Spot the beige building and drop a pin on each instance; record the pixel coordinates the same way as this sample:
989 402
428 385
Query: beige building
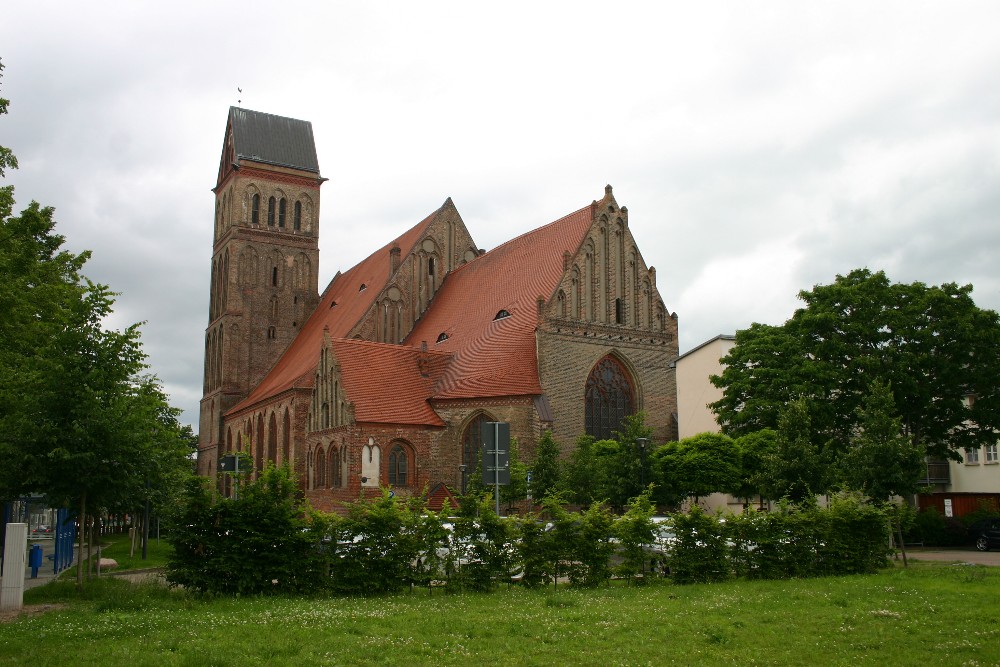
694 388
958 487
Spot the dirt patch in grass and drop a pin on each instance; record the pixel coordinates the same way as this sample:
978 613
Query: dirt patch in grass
11 615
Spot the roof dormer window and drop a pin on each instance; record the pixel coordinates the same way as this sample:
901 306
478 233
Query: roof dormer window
363 287
501 315
442 337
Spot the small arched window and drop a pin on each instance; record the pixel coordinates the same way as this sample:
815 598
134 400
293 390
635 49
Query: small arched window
270 212
398 465
274 276
281 213
255 210
297 221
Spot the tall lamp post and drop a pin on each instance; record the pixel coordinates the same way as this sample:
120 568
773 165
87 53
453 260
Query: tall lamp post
642 442
463 468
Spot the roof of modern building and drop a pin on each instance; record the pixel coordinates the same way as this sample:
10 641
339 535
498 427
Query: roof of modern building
487 311
720 337
276 140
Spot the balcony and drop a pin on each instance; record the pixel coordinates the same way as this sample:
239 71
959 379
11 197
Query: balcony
938 471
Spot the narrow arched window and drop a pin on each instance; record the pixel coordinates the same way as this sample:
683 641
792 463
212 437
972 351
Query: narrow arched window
281 212
609 398
320 469
270 212
397 466
472 441
255 210
334 468
298 216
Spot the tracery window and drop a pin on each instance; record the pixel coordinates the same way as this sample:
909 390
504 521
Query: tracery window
397 466
610 398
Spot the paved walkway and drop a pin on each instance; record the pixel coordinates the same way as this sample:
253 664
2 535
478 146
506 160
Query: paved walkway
952 555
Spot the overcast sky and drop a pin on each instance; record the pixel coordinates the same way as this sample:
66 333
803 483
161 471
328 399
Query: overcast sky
760 147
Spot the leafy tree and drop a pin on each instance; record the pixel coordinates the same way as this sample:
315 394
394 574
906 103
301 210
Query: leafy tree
882 462
932 345
517 489
754 449
796 469
703 464
77 421
580 473
545 473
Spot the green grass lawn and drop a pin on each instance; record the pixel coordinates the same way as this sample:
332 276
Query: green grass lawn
928 614
118 546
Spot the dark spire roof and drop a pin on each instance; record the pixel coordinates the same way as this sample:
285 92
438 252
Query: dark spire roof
263 137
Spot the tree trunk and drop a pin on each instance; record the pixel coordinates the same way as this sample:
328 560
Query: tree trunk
82 528
902 545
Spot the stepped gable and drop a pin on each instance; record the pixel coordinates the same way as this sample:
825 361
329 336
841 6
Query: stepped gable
341 307
275 140
389 383
498 357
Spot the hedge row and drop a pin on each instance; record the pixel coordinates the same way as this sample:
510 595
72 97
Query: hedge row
264 542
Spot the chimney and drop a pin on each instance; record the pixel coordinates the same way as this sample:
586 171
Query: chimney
393 259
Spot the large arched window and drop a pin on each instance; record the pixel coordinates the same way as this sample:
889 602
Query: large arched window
298 216
281 212
398 466
472 441
610 398
270 212
255 210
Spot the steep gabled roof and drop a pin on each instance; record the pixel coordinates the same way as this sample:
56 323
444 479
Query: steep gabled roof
341 307
264 137
389 384
497 356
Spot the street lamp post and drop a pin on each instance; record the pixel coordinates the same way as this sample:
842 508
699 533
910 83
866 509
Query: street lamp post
463 468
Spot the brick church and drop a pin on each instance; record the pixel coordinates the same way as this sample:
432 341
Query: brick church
386 377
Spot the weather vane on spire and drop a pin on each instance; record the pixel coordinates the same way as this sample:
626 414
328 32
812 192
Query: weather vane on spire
240 90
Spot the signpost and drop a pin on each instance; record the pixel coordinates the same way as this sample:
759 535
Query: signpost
496 457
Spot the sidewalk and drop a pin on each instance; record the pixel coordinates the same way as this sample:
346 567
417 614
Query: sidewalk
953 555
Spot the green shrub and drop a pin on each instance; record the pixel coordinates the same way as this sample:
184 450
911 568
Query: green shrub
258 543
701 552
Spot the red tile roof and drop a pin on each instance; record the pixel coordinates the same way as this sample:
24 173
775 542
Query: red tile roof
296 367
498 357
388 383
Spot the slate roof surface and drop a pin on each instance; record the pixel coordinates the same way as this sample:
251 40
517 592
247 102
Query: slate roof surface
264 137
297 366
498 357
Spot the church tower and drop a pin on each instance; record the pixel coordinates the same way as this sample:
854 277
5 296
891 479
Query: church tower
265 260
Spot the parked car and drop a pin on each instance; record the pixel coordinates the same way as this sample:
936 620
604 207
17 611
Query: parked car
986 533
42 529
